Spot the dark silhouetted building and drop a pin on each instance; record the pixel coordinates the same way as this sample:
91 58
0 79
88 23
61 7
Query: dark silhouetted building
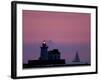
44 51
54 54
48 55
47 58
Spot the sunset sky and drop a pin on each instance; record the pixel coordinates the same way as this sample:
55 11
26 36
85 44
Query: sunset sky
66 31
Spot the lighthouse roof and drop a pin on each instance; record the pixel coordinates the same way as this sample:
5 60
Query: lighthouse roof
44 44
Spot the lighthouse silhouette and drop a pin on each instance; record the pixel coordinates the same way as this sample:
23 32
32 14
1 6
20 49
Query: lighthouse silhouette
44 51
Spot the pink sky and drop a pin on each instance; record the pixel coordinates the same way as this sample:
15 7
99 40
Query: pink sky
56 26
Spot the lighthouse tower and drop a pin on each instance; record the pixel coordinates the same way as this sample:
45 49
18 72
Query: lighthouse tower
44 51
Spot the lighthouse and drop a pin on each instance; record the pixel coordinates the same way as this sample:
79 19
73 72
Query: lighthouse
44 51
